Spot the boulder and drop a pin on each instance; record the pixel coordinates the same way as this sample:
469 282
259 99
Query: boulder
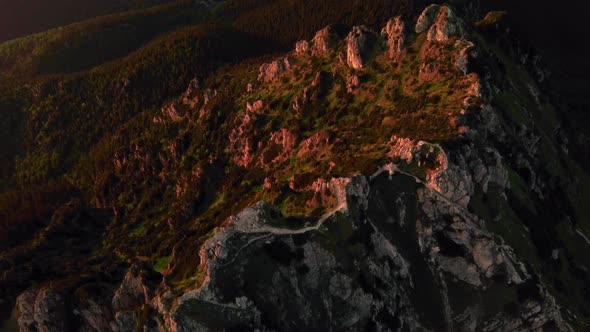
484 255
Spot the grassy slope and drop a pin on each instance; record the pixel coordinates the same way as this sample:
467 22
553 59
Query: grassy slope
50 123
123 45
160 159
45 53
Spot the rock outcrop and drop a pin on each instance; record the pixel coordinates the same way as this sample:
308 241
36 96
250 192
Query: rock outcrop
295 260
49 311
136 289
55 308
302 47
352 83
325 40
441 22
396 34
25 304
279 147
270 71
380 281
427 18
241 141
466 54
358 44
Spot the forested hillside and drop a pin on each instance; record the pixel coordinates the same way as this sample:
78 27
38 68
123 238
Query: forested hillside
392 164
21 18
81 46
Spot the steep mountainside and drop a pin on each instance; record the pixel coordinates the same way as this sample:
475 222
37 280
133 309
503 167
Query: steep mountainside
401 167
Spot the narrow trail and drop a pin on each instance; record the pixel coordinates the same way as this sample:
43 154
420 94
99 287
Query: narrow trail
393 168
270 231
285 231
244 247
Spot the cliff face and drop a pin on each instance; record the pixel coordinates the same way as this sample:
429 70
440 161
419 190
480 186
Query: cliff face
395 255
415 179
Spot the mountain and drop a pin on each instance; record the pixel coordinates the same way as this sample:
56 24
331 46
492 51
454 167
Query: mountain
392 165
25 17
82 46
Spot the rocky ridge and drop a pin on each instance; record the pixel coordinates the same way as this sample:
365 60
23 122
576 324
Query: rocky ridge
393 250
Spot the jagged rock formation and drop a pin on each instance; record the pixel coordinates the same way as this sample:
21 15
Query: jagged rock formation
358 42
395 31
64 307
325 40
351 268
441 23
302 46
416 236
40 310
270 71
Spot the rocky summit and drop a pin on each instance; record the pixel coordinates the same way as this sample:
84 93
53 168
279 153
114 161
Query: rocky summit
408 168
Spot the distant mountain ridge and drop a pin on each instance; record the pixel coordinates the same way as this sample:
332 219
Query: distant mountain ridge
80 46
25 17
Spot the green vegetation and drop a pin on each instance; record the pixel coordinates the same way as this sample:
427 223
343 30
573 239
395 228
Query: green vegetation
91 104
162 263
84 45
286 26
99 113
31 16
164 165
